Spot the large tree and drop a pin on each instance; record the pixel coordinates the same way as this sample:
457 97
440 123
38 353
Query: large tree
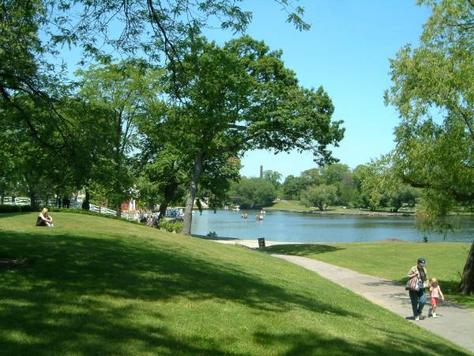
433 90
240 97
124 90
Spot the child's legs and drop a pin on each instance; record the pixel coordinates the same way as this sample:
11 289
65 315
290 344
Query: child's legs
434 304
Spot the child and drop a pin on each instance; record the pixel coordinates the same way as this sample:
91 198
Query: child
436 293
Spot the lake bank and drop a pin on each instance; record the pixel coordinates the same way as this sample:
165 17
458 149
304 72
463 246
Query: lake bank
296 206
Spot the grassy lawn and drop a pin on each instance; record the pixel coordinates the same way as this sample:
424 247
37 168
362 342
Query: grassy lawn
99 286
393 259
298 207
289 205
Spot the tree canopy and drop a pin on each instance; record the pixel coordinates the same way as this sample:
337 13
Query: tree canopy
433 90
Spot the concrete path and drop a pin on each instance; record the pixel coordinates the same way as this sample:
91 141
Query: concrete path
454 323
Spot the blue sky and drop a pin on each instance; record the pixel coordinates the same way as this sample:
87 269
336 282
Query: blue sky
347 51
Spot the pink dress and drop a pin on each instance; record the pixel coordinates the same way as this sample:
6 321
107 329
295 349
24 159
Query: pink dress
435 294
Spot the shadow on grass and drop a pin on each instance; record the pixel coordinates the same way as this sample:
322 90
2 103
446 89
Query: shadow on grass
301 249
75 295
306 342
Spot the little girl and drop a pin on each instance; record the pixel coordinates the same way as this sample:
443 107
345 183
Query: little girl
436 293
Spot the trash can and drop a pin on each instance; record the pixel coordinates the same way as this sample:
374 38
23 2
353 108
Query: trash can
261 242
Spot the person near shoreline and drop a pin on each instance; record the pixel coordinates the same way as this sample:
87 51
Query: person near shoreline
435 295
417 281
44 219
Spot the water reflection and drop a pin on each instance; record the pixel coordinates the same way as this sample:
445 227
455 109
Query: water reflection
294 227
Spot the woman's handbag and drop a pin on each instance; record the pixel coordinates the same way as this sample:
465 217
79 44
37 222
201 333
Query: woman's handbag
414 284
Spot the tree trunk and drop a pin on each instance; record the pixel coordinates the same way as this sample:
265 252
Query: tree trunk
467 280
163 207
119 210
188 212
33 200
85 203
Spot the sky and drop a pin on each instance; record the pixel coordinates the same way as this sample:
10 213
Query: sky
347 51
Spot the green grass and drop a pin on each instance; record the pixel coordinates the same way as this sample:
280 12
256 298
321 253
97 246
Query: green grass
290 205
298 207
96 286
393 259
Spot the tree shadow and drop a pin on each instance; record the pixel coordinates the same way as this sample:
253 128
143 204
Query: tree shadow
56 302
307 342
301 249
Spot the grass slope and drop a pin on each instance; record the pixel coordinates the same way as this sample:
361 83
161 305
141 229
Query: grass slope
393 259
298 207
100 286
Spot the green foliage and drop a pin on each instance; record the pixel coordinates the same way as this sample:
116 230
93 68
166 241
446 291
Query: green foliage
293 186
103 28
433 90
319 196
252 193
273 177
16 208
124 90
175 226
379 185
340 176
239 97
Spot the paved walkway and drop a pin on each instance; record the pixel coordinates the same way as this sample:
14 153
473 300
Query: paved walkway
454 323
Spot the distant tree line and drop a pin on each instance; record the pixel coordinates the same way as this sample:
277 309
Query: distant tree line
371 186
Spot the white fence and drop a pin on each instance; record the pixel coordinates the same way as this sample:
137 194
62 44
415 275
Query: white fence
101 210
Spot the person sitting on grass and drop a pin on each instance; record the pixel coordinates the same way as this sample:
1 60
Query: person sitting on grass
436 294
44 219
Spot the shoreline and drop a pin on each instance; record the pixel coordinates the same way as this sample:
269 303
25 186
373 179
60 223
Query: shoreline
350 212
253 244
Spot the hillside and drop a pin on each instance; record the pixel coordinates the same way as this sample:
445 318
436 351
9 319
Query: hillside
93 285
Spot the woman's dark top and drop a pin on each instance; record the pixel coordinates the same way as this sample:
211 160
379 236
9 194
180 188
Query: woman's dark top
40 222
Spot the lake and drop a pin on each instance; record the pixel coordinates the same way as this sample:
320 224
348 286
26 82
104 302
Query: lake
297 227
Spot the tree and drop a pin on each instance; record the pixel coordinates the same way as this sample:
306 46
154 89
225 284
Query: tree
252 193
240 97
160 26
162 178
433 90
292 187
273 177
319 196
120 89
340 176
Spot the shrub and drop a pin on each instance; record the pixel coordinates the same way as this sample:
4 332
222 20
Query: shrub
171 226
16 209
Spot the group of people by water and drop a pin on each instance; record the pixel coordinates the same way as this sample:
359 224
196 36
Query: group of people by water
417 284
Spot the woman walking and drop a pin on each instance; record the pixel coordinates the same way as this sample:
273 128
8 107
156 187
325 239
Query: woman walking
417 281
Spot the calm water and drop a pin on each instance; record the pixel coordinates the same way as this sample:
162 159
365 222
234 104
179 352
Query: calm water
285 226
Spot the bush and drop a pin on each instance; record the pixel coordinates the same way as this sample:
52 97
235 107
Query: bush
175 226
16 209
